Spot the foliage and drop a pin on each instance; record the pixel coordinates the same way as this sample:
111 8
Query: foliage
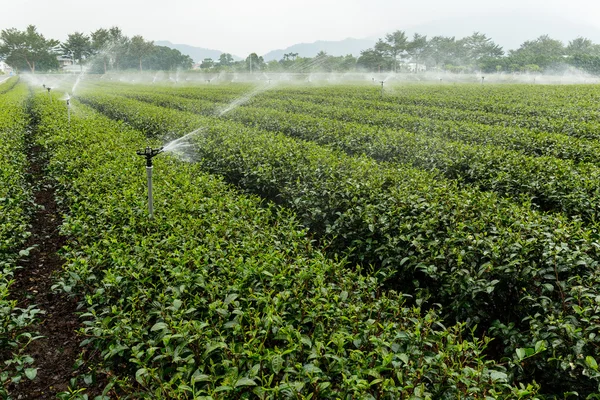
15 210
78 46
28 49
486 260
224 295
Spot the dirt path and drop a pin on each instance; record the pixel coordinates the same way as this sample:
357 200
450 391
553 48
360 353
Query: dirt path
56 353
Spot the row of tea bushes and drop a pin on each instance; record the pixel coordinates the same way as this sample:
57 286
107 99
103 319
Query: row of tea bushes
224 296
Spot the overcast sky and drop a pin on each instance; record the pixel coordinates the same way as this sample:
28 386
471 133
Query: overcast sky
243 26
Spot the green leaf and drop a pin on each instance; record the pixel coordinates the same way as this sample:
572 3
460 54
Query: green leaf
245 382
277 364
230 298
31 373
177 304
521 353
158 326
591 362
139 374
498 376
200 377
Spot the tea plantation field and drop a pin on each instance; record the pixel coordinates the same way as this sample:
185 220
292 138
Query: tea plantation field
434 242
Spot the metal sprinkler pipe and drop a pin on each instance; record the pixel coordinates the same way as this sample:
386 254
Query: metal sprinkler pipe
382 82
150 153
69 110
49 96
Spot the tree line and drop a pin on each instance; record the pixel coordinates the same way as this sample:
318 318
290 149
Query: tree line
397 52
479 53
109 49
102 50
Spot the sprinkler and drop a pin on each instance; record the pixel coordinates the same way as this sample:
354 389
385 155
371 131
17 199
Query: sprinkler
382 82
149 153
482 79
69 110
49 96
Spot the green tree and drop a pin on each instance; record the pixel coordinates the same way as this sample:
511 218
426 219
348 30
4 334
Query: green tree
140 48
478 46
254 62
118 46
543 51
394 46
582 46
100 42
78 46
442 51
417 49
28 49
372 60
225 60
167 59
207 63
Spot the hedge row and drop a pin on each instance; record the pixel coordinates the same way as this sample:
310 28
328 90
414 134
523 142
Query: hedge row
224 296
510 270
16 205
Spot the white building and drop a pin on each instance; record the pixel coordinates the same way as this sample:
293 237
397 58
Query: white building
414 67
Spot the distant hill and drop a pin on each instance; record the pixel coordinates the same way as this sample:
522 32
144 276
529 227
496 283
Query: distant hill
333 48
509 29
196 53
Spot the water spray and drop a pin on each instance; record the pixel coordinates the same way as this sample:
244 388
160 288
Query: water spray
150 153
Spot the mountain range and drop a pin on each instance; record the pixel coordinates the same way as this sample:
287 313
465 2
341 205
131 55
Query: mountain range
508 30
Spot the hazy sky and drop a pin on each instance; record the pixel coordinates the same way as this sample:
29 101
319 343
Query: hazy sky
244 26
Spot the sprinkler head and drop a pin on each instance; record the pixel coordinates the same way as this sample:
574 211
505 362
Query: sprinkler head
48 89
44 85
149 153
68 102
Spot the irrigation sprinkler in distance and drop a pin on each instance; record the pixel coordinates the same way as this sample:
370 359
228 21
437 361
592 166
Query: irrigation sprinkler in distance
48 88
382 82
150 153
69 110
482 79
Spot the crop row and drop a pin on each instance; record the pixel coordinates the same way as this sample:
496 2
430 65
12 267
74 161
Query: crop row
522 275
15 214
551 184
9 84
223 295
369 113
580 125
455 106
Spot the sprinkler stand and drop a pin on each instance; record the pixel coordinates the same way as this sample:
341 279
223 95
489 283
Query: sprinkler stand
69 110
149 153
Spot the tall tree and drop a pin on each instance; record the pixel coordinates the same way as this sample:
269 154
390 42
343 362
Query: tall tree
543 51
582 46
78 46
417 48
395 45
118 45
479 46
372 60
254 62
26 49
100 41
140 48
225 60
